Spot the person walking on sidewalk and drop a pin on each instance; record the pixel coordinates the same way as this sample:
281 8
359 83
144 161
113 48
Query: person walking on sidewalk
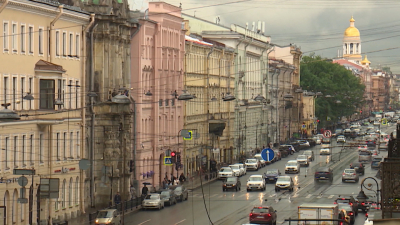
117 199
182 178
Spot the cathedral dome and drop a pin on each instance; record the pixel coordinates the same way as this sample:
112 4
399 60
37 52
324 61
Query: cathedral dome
352 31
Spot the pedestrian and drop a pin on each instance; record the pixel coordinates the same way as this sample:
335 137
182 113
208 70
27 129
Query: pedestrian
117 199
176 181
132 191
145 190
182 178
164 183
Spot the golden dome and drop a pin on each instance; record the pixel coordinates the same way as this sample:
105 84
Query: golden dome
351 32
352 19
365 61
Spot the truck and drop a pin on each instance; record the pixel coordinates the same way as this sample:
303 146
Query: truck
389 114
318 211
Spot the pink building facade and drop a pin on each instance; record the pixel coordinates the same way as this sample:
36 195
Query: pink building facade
157 79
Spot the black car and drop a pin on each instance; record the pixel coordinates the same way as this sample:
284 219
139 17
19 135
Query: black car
349 211
168 196
285 151
271 175
370 143
296 146
348 200
311 141
323 173
359 167
231 183
180 191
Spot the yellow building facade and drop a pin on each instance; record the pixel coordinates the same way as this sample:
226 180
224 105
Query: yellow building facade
41 75
209 76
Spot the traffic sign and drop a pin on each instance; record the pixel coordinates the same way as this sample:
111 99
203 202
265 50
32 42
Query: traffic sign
267 154
327 133
167 161
189 136
303 126
384 121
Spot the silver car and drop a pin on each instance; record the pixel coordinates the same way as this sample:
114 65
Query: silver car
153 201
364 156
350 174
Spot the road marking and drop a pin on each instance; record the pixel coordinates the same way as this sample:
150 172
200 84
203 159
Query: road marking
309 196
180 221
273 195
240 196
319 196
144 222
212 196
219 196
331 196
196 195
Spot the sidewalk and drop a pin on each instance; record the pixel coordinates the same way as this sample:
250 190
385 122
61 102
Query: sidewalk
191 184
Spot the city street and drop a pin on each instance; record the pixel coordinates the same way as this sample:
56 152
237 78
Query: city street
227 208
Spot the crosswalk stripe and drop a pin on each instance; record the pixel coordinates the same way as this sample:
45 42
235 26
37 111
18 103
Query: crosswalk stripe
319 196
309 196
331 196
212 196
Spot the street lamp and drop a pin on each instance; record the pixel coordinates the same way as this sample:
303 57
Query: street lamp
361 195
259 98
185 96
8 114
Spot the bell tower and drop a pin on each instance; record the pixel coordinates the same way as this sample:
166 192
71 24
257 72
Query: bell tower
352 43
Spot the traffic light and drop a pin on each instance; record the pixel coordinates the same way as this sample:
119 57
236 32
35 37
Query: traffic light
318 121
178 158
173 157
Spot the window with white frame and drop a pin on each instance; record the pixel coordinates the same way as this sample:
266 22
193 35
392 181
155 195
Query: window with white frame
70 94
78 143
22 92
77 191
77 45
30 40
30 86
41 156
59 91
31 150
71 44
14 41
70 192
23 150
15 151
22 211
77 94
6 151
64 86
65 146
63 193
23 35
14 93
5 36
71 145
40 33
64 44
57 43
46 94
5 89
58 146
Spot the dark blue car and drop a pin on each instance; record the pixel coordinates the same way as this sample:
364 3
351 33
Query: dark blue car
271 175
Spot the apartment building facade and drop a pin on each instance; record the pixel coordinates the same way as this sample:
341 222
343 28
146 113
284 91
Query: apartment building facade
40 81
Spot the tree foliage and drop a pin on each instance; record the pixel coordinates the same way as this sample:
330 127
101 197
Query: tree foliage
331 79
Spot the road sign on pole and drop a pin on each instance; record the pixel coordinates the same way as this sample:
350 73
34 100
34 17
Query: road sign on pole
189 136
327 133
303 126
167 161
384 121
267 154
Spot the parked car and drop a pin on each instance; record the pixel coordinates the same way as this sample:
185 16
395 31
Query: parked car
153 201
309 154
225 172
263 215
180 191
303 160
168 196
278 156
256 182
350 174
284 183
108 216
348 200
285 150
304 144
252 164
231 183
359 167
271 175
292 166
323 173
295 145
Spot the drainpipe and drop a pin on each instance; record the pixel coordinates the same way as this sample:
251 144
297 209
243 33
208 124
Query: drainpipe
83 101
92 142
3 6
61 11
208 100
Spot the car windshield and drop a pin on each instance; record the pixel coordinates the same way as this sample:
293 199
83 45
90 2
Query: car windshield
349 171
283 179
165 194
231 179
251 161
260 210
365 153
291 164
225 169
152 197
272 172
302 157
234 167
255 179
105 214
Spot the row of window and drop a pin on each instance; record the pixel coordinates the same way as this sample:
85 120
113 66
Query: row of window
15 88
167 101
21 150
23 39
68 197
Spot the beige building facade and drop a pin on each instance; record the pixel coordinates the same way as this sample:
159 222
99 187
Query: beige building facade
209 75
41 57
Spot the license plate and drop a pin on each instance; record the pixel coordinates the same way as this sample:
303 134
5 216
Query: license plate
271 178
322 177
260 217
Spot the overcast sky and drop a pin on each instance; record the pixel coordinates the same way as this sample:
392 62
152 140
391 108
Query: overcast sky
314 25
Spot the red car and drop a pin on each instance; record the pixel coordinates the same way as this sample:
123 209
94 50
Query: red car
263 215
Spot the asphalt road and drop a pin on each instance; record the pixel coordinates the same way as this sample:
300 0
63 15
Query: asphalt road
209 205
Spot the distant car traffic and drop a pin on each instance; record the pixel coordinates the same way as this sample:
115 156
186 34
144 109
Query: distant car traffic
325 151
350 174
292 166
225 172
256 182
323 173
341 139
359 167
309 154
303 160
231 183
263 215
284 183
252 164
271 175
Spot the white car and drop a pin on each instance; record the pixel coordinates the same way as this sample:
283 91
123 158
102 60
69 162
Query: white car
325 151
256 182
225 172
362 148
262 161
236 170
292 166
303 160
318 141
252 164
242 168
154 201
341 138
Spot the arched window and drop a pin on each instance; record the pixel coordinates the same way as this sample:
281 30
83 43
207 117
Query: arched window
14 206
23 208
77 191
351 48
70 192
63 193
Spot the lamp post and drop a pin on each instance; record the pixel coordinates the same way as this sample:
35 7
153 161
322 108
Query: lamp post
288 97
361 195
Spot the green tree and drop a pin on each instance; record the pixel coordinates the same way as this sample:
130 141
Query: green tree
342 91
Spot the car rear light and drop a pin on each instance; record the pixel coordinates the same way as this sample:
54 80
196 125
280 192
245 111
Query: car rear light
366 214
343 174
351 203
343 198
363 203
354 174
269 215
335 203
251 214
350 213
